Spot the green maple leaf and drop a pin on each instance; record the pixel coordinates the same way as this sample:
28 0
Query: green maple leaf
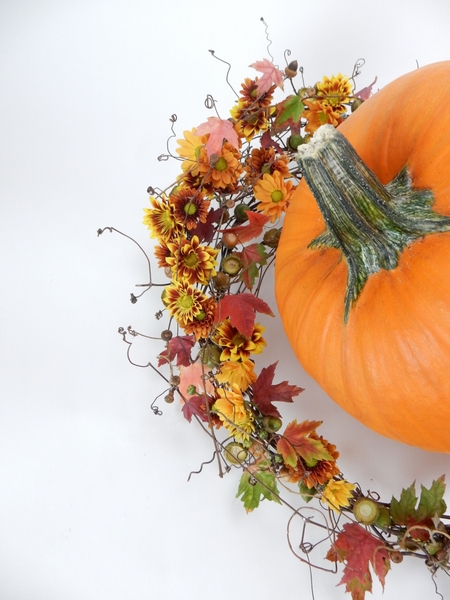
431 504
404 509
254 488
289 111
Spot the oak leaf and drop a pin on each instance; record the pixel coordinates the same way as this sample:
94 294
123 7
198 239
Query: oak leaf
241 310
265 392
180 349
358 549
218 129
295 442
245 233
271 75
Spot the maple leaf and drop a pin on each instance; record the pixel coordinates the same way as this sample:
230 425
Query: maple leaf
245 233
180 349
218 129
271 75
195 406
295 442
266 141
241 310
265 392
205 231
192 377
431 506
289 113
255 487
251 256
358 548
364 94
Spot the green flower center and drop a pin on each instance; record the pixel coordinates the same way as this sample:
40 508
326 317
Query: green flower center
238 339
276 196
186 301
266 168
190 209
221 164
201 315
191 260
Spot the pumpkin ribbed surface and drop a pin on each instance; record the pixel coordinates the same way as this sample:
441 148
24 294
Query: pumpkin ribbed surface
388 363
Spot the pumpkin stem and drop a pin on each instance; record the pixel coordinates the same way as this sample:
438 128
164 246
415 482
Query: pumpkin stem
369 222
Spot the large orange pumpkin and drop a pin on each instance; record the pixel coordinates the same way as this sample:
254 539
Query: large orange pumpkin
376 337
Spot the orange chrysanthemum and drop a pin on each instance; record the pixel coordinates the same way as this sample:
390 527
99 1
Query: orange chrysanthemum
190 261
262 161
224 171
184 302
236 372
236 345
319 114
190 206
161 219
230 408
273 193
203 323
334 91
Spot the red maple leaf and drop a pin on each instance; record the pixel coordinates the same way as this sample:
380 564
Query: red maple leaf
180 349
358 548
195 406
295 442
266 141
271 75
218 129
265 392
365 93
245 233
241 310
205 231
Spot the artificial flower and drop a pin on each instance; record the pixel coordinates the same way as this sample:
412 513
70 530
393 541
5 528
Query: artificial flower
237 372
273 193
223 172
334 91
231 409
191 261
337 494
235 345
161 219
323 470
252 98
189 149
262 161
184 302
203 322
319 114
190 206
162 253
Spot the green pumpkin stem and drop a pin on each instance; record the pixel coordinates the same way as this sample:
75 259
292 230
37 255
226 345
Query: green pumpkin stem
369 222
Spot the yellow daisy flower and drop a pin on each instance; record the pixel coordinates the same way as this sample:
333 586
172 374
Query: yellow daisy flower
189 149
161 219
231 410
273 193
240 373
236 345
190 261
337 494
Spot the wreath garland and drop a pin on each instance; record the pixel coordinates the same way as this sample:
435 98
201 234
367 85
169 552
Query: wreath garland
216 230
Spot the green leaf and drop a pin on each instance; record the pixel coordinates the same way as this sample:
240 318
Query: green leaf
254 488
291 110
403 510
306 493
431 503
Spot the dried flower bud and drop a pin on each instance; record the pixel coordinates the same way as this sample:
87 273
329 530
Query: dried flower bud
272 237
396 556
239 212
175 380
232 264
169 398
166 335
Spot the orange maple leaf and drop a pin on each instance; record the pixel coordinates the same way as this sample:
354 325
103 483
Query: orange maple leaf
295 442
271 75
245 233
241 310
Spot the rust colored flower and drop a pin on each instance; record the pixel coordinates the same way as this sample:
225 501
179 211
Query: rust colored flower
202 324
273 193
236 345
324 470
319 113
223 172
190 206
161 219
251 97
237 372
184 302
262 161
190 261
231 410
251 121
162 253
334 91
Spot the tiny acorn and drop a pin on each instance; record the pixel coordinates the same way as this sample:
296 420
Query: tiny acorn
239 212
271 238
232 264
291 69
366 511
221 280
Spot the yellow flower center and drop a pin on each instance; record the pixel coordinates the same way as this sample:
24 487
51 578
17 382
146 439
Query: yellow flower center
276 196
191 260
186 301
190 208
221 164
238 339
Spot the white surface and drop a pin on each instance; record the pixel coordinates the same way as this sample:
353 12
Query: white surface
94 502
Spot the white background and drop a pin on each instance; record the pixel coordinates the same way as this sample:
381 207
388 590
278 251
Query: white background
94 499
